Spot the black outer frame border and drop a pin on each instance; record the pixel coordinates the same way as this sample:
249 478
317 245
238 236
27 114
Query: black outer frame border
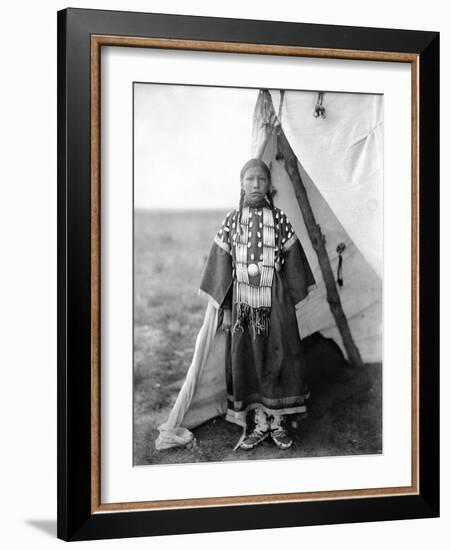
75 521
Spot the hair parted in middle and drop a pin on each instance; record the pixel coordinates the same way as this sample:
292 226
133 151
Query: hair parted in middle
255 162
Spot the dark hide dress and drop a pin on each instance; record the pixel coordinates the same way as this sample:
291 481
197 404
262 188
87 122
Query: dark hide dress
264 367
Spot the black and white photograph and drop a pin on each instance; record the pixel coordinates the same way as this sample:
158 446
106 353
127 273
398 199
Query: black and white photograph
257 273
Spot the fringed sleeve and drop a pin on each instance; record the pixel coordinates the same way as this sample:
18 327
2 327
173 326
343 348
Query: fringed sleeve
216 279
298 273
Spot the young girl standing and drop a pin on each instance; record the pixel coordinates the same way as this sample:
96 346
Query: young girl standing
258 274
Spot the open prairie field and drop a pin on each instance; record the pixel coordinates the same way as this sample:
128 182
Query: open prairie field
170 248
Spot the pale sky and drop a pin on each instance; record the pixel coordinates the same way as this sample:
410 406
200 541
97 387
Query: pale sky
190 144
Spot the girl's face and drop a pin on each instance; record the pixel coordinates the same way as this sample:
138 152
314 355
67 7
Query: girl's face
255 184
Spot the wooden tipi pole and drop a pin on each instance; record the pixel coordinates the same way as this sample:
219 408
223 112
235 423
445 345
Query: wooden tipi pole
318 242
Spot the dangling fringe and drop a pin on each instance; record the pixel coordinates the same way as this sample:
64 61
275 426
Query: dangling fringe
253 296
257 319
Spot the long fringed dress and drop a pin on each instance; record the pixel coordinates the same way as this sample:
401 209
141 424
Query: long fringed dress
259 270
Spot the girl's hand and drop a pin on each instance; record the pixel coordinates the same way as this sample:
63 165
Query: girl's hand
226 320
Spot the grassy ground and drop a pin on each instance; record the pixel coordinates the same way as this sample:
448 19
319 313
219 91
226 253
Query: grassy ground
345 410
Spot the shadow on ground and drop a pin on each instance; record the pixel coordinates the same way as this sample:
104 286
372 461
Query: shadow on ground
47 526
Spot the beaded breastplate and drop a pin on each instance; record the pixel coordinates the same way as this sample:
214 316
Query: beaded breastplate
254 247
253 251
257 247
